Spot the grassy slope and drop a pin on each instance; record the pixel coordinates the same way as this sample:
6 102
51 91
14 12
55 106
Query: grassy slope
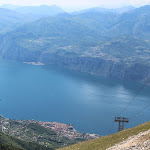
110 140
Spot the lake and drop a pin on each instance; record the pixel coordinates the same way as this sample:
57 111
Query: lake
56 94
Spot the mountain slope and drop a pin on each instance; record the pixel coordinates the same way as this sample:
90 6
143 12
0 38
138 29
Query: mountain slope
104 10
135 23
140 141
9 19
108 141
10 143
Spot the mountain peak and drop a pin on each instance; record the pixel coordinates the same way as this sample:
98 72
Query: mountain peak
43 10
144 8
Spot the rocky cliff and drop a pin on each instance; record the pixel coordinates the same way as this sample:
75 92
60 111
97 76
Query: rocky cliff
100 66
104 66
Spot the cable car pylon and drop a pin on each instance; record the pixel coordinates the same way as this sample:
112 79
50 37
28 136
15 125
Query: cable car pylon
121 121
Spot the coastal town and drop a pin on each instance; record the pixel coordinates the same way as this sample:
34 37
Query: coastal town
67 130
34 63
50 134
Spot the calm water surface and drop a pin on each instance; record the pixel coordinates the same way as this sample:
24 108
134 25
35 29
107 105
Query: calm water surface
50 93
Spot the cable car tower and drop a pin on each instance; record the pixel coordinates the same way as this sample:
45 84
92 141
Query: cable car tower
121 121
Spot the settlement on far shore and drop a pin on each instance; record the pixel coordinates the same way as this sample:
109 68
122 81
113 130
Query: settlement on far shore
34 63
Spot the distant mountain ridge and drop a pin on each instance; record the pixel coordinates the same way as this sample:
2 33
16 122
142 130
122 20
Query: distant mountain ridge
105 10
9 6
108 44
135 23
9 19
16 16
42 10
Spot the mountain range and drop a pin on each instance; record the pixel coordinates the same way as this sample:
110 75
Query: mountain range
42 10
14 16
105 10
112 43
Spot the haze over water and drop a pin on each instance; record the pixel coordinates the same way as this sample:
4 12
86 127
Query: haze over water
50 93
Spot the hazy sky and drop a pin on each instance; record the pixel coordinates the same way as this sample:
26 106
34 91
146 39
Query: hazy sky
79 3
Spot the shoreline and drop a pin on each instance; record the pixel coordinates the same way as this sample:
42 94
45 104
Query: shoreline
34 63
59 128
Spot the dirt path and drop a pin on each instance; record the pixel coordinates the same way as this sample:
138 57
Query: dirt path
137 142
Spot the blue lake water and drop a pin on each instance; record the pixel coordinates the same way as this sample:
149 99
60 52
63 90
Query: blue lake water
50 93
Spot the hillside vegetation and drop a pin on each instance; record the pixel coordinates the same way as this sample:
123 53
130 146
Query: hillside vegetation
11 143
108 141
